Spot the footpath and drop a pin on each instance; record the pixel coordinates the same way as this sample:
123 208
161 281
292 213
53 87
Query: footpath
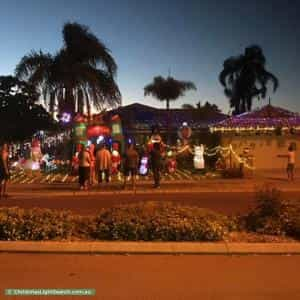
150 248
143 187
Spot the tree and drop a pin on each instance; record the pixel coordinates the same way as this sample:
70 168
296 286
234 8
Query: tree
187 106
245 77
168 89
206 108
80 75
20 115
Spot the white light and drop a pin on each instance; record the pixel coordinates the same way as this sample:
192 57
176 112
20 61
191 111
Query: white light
100 139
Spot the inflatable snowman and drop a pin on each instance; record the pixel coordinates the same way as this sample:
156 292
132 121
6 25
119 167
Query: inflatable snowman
199 157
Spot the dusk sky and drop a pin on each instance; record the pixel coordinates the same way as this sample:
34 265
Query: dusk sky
147 38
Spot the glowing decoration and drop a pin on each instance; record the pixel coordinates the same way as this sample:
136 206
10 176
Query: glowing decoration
115 159
100 139
199 158
98 130
171 162
184 133
144 166
80 133
36 155
155 138
265 120
66 117
117 131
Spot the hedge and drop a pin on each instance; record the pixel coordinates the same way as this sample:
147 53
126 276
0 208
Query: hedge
150 222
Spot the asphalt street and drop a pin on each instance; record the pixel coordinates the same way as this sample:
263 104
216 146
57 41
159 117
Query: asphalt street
155 277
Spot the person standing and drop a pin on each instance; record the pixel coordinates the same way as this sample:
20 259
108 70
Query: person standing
103 163
93 162
155 156
131 163
84 160
4 170
291 156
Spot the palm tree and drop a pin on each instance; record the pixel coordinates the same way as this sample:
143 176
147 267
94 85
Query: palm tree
168 89
79 76
245 77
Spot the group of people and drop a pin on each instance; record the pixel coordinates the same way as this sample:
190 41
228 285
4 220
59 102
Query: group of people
99 164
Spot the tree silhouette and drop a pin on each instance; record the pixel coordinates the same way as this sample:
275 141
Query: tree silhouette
168 89
20 115
206 108
80 75
245 77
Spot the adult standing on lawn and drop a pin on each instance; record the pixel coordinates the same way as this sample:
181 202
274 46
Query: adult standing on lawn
291 156
103 163
131 163
4 170
84 167
155 157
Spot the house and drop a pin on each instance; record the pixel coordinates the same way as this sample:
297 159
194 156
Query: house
139 119
265 133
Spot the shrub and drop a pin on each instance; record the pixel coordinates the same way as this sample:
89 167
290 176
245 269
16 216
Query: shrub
146 222
273 215
164 222
34 224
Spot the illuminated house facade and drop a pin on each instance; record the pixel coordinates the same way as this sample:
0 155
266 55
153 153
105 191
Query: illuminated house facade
265 133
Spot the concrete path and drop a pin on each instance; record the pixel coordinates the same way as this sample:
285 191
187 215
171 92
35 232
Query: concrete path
116 247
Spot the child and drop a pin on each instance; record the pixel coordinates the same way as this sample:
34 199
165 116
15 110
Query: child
291 156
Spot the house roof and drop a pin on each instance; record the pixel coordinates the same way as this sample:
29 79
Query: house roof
140 116
266 118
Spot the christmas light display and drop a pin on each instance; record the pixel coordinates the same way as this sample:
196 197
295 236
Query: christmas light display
199 157
266 119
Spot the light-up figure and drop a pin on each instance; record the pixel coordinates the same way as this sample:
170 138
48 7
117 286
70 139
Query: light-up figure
115 160
199 157
171 163
144 165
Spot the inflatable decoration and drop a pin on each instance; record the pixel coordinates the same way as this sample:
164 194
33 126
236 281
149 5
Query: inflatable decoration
198 157
171 163
144 165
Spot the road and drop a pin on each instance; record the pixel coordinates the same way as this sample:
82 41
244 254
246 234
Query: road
224 197
156 277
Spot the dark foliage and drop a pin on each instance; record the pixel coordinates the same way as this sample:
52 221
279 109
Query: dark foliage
80 75
245 77
168 89
20 115
274 215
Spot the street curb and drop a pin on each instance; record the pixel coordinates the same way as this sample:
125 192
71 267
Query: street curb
218 248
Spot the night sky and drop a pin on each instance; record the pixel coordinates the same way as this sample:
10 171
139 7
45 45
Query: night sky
147 38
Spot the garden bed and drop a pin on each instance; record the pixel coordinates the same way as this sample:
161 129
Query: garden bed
271 220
